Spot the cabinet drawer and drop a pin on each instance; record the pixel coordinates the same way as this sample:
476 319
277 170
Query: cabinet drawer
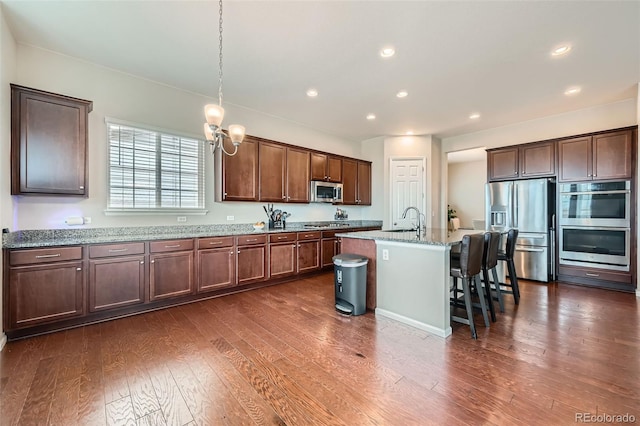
621 277
170 245
315 235
281 238
214 242
25 257
108 250
330 234
245 240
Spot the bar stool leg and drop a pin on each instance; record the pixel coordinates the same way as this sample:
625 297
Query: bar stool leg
498 291
514 281
467 303
481 296
487 286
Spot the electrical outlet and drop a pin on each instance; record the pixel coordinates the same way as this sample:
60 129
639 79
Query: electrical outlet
385 254
87 220
231 218
182 218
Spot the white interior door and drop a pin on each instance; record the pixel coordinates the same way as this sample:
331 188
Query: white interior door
407 189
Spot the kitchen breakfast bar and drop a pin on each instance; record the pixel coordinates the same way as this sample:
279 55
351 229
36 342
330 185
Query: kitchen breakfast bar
408 277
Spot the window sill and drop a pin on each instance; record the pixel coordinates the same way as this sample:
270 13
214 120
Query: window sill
155 212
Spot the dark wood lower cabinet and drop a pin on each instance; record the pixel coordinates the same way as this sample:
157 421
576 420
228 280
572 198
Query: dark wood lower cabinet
251 263
45 293
330 247
116 282
47 289
216 269
170 275
282 259
308 256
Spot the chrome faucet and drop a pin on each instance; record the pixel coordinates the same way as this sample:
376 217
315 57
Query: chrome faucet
419 227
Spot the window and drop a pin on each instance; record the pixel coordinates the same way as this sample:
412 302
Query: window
154 171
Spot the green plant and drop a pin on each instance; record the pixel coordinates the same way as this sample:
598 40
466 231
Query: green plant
451 212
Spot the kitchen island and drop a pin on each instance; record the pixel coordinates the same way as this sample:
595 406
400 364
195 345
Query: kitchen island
411 275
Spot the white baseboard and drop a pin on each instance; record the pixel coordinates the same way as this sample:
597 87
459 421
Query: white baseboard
638 292
3 340
417 324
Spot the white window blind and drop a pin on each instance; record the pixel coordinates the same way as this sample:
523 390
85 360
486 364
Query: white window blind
151 170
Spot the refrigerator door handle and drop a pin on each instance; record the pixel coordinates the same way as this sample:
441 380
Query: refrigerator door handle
515 205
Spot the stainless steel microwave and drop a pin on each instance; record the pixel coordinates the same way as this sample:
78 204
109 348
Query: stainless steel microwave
326 192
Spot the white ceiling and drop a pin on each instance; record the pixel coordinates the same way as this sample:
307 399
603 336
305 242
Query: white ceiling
454 58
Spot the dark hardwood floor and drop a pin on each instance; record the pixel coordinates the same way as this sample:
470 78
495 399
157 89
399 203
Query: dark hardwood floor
283 355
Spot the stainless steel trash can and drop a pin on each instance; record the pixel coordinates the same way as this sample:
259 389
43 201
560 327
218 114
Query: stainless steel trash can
350 279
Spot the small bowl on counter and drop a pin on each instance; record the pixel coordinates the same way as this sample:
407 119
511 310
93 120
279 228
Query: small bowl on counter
258 226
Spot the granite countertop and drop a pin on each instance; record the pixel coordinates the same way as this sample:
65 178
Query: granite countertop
432 236
66 237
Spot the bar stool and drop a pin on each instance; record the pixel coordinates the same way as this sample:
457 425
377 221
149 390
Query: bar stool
468 267
489 263
507 256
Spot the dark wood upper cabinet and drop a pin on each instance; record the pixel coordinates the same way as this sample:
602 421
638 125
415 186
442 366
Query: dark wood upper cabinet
349 181
364 183
537 159
598 157
237 175
503 163
356 182
272 169
284 173
326 167
524 161
612 155
297 175
48 143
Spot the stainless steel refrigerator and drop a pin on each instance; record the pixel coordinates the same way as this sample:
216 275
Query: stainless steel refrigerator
529 206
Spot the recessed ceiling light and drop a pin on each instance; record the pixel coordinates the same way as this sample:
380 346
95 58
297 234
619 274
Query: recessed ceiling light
312 93
409 132
371 116
402 94
474 116
572 91
387 52
561 50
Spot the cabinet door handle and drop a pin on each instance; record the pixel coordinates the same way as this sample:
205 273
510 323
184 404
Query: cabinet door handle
284 197
81 187
215 242
142 262
173 246
589 274
78 269
280 238
231 252
118 250
45 256
237 252
153 261
252 240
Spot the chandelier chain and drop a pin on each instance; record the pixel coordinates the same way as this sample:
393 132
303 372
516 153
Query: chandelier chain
220 56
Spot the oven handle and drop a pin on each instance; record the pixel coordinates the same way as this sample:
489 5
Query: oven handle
530 249
621 191
595 228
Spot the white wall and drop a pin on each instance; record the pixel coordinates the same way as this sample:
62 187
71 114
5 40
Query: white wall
465 191
7 73
603 117
122 96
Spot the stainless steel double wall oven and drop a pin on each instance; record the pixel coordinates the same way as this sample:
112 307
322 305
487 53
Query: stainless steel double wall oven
595 224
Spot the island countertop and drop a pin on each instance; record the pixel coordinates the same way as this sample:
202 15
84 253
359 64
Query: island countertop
432 236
